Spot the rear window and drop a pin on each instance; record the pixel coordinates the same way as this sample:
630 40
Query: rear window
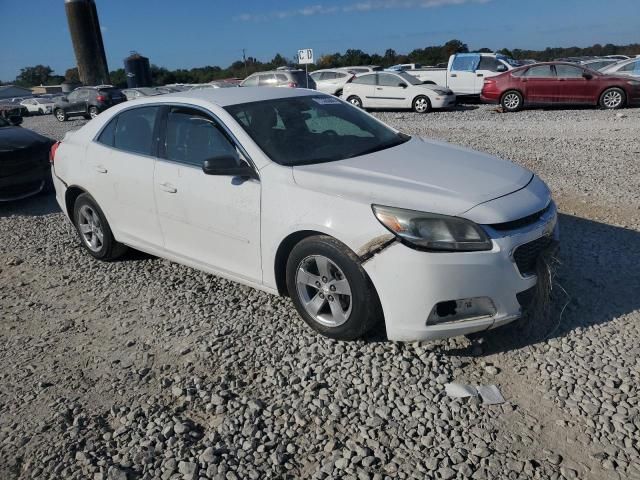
131 131
365 79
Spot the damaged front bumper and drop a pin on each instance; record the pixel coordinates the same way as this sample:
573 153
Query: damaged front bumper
428 295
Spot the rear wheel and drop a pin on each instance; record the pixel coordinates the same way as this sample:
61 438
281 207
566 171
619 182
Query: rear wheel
421 104
511 101
60 115
612 99
94 231
355 101
331 290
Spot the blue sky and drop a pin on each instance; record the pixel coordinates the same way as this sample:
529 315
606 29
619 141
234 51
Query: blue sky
191 33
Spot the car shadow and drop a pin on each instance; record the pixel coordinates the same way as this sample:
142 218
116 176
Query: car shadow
35 206
596 281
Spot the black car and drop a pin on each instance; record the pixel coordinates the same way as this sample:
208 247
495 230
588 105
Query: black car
24 161
87 102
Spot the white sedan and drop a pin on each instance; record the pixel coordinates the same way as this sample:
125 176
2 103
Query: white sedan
332 81
396 90
298 193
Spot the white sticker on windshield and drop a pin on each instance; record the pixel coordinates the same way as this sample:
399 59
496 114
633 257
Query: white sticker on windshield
326 100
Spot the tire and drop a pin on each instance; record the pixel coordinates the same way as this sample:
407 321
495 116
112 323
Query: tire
511 101
355 101
613 99
40 111
338 93
60 115
343 316
90 223
421 104
93 112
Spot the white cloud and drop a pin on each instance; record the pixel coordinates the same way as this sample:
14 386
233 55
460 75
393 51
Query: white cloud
362 6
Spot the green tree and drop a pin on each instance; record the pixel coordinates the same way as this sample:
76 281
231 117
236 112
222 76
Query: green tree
34 76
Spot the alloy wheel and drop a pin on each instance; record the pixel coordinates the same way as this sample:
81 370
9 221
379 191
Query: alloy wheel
612 99
90 228
355 102
93 112
421 105
324 290
511 101
60 115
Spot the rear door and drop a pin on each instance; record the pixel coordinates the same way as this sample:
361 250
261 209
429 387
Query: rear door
388 93
207 219
540 84
462 73
121 163
364 88
573 87
488 67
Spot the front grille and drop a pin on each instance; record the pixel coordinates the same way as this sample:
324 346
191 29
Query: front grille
521 222
526 256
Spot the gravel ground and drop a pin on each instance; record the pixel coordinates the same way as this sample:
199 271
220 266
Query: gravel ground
146 369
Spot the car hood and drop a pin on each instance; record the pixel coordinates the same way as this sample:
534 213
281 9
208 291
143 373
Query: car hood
17 138
420 174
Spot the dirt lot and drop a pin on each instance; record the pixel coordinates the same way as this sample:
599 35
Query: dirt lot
146 369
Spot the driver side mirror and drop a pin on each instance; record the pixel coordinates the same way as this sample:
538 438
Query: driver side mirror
587 75
228 165
15 120
501 68
403 85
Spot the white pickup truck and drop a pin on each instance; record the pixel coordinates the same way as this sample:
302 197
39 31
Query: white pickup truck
466 72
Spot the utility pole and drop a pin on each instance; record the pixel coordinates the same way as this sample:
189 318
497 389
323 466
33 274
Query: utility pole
244 57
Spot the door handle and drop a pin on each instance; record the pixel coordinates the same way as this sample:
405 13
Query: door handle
454 75
378 88
100 169
167 187
480 74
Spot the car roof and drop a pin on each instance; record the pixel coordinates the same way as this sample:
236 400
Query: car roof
224 97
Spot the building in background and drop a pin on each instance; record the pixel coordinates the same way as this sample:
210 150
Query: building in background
86 37
138 71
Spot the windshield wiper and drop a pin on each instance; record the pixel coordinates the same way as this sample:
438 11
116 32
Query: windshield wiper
403 138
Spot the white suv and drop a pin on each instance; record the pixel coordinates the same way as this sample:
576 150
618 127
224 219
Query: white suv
396 90
332 81
280 78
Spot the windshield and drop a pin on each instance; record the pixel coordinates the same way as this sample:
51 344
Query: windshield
510 61
409 78
312 129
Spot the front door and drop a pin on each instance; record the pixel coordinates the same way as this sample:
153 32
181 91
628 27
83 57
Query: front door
120 166
388 93
573 87
462 74
208 219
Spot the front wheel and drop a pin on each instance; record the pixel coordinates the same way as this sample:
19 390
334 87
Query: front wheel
512 101
60 115
612 99
421 104
93 112
93 228
355 101
331 290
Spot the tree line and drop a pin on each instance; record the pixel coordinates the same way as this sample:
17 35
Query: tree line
432 55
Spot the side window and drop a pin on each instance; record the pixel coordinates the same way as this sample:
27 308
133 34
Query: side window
631 67
134 130
464 63
83 95
193 137
365 80
266 80
388 80
107 134
340 75
568 71
489 63
281 79
251 81
540 71
73 96
315 76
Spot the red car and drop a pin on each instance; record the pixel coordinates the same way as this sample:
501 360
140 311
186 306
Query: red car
559 83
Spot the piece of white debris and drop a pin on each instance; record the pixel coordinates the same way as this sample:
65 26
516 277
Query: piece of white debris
459 390
490 395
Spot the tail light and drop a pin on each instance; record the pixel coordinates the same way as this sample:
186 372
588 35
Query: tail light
292 84
101 98
52 152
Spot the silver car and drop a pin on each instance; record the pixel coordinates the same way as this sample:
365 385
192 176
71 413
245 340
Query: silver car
280 78
332 81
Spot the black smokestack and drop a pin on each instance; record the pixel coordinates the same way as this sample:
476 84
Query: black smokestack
87 41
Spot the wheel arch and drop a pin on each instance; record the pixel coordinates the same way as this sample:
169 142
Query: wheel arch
282 254
70 197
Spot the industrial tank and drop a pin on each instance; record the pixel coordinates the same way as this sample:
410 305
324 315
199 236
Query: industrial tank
86 36
138 71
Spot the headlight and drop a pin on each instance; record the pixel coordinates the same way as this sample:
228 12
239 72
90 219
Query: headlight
635 83
440 92
431 231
